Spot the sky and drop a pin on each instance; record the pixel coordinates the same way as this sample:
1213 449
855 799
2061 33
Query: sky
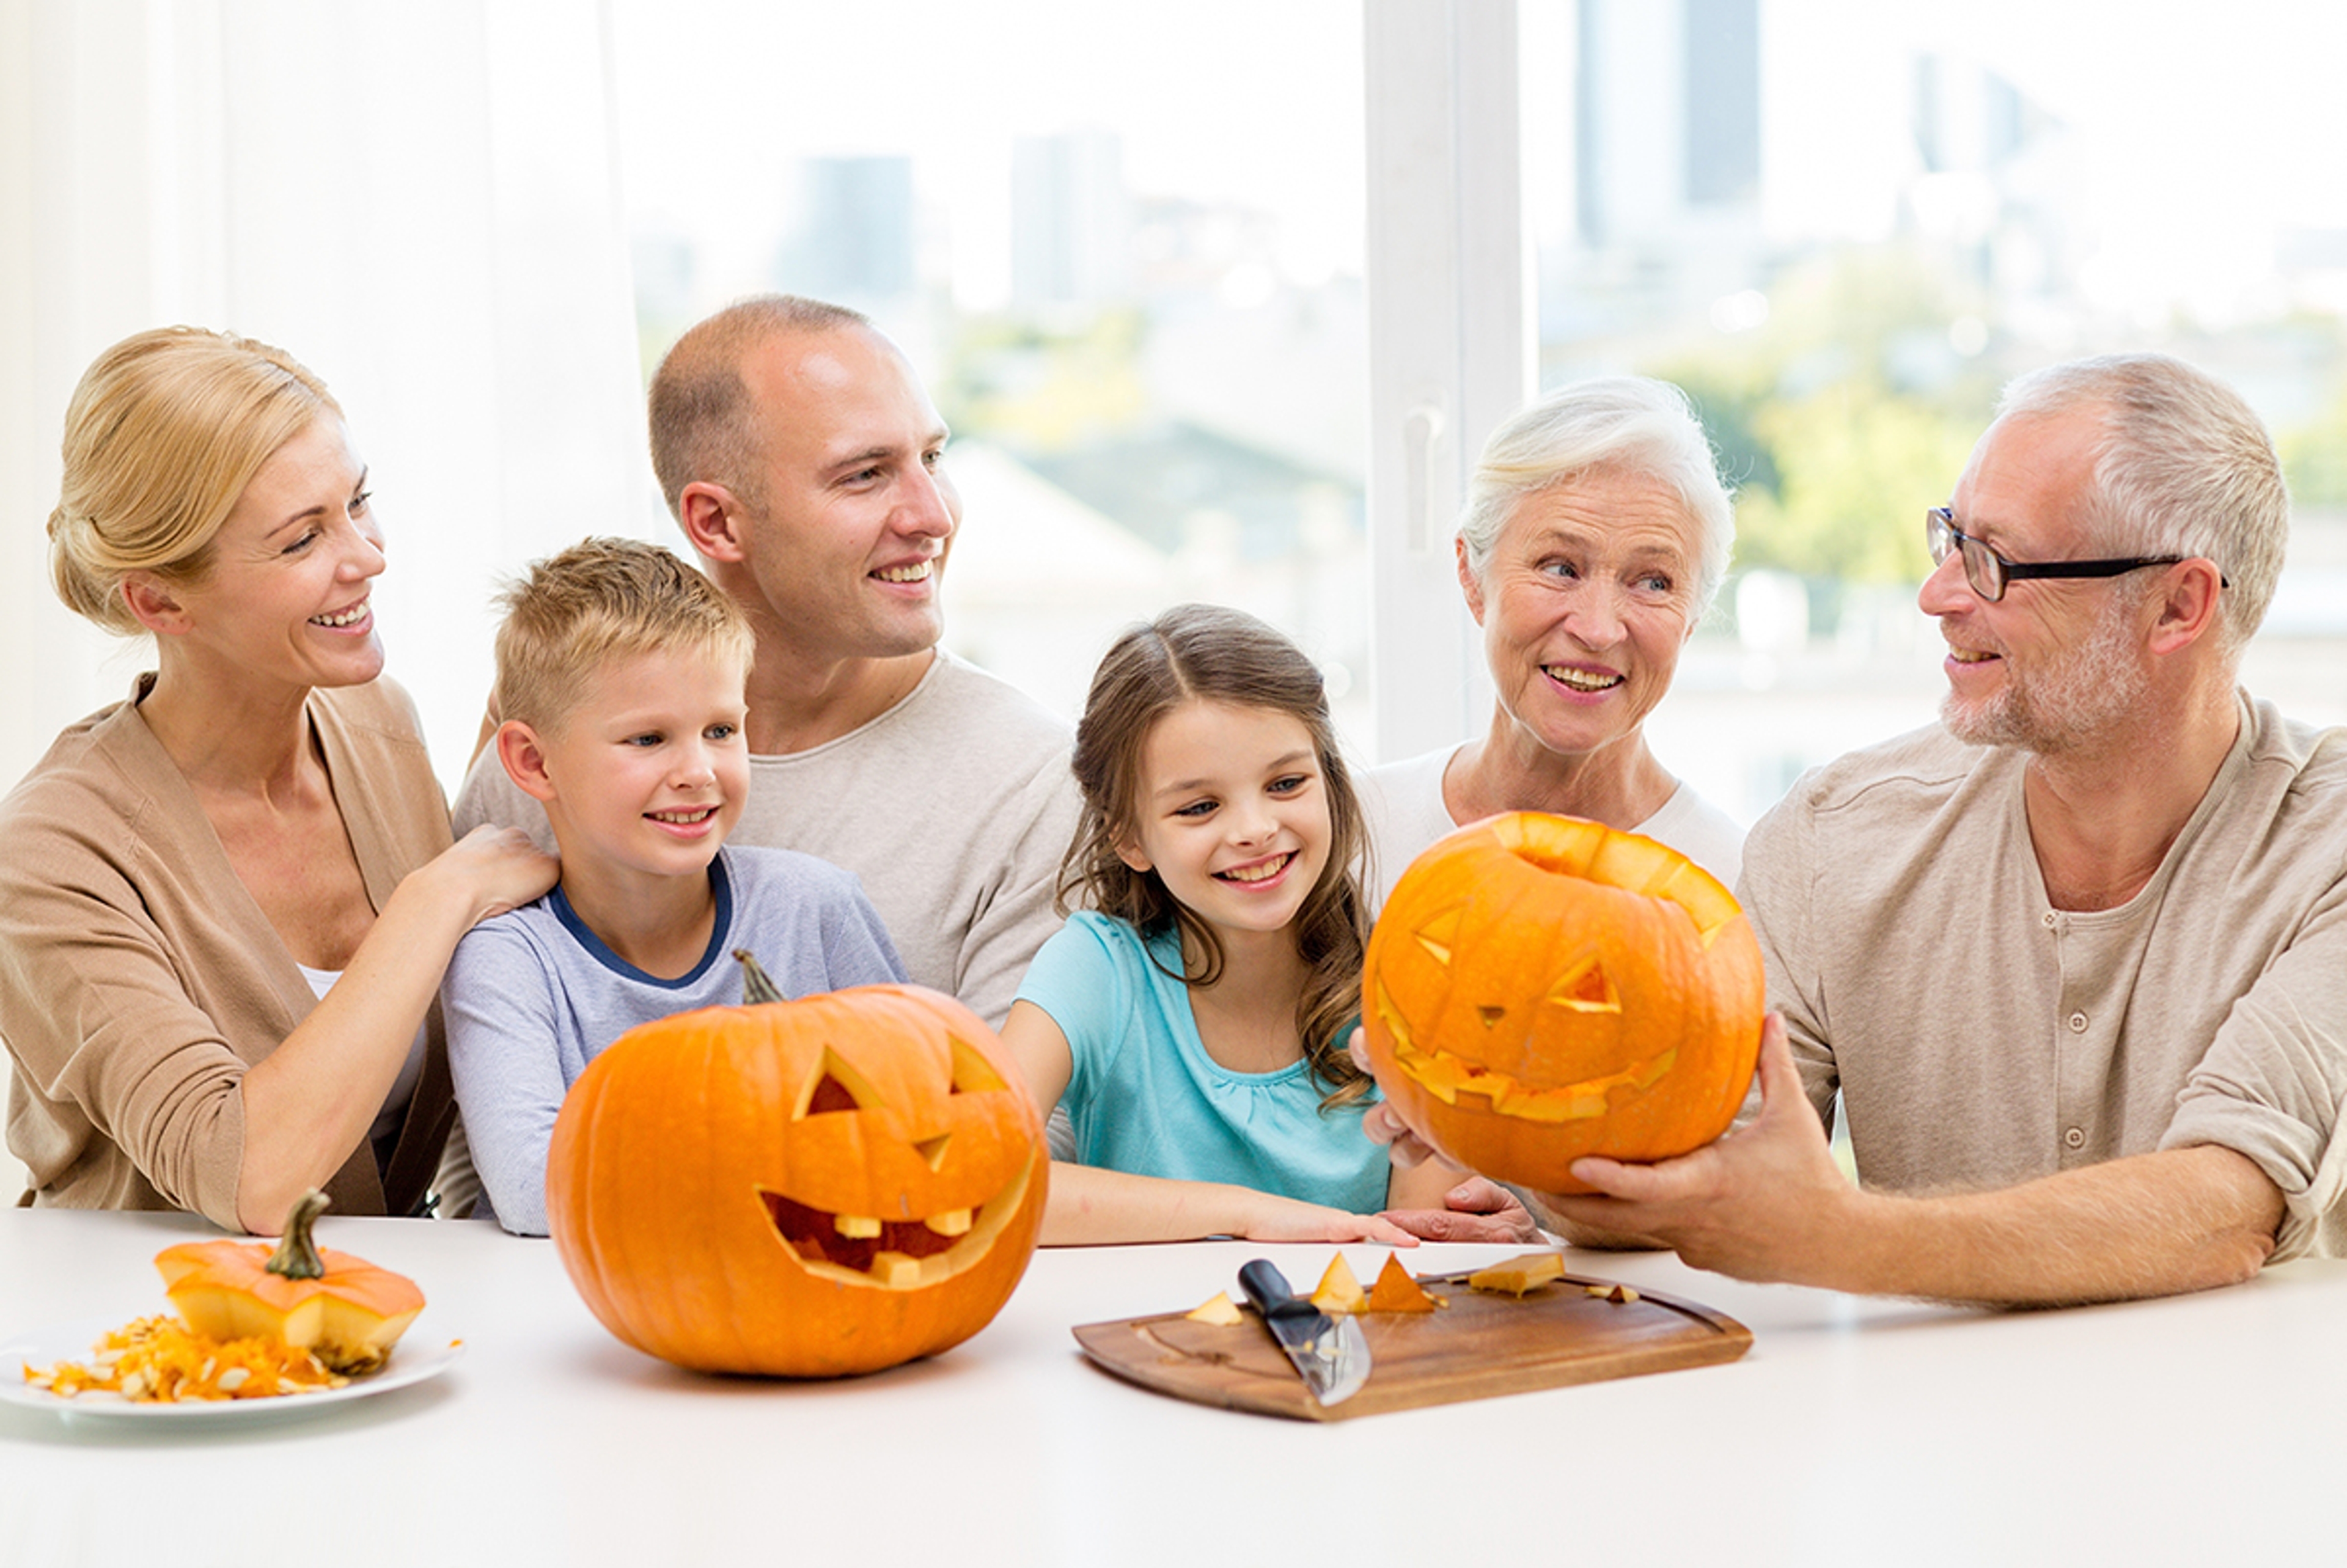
1255 103
2203 127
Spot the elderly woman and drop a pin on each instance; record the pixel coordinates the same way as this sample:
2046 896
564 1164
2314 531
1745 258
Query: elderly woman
226 902
1596 534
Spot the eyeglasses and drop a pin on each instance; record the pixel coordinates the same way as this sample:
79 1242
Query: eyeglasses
1988 572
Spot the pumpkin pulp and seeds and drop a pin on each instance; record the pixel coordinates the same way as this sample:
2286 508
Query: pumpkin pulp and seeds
252 1324
161 1361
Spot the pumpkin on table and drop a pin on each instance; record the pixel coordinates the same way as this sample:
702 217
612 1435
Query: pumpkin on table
805 1188
343 1309
1541 988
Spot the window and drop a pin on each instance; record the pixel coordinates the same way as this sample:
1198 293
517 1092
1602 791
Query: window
1124 246
1843 226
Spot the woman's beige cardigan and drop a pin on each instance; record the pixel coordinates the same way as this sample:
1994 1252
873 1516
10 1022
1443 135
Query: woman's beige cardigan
139 978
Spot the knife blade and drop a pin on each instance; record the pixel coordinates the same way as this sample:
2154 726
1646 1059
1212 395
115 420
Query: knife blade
1329 1352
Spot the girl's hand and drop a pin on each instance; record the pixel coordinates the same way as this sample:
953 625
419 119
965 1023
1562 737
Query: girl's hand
1275 1218
493 870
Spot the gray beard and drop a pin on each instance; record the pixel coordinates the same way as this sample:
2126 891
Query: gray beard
2066 706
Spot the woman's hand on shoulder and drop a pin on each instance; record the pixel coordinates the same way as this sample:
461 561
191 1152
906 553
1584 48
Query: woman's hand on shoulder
495 869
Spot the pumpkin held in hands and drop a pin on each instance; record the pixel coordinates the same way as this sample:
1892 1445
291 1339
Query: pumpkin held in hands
1541 988
800 1188
343 1309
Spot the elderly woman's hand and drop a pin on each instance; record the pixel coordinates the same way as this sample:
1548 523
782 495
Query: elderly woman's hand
1383 1124
1476 1209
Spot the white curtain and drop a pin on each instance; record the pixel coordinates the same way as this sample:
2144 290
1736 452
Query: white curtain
418 198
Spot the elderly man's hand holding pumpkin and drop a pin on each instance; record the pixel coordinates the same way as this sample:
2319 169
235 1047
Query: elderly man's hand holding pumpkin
1760 1203
1764 1201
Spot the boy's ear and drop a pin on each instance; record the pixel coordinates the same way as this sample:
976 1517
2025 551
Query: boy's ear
525 760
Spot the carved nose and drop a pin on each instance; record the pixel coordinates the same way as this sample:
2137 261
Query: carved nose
933 1150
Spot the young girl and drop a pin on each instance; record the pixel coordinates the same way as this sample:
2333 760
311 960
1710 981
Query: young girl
1192 1018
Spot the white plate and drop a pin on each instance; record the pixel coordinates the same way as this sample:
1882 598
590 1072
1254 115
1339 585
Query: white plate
410 1363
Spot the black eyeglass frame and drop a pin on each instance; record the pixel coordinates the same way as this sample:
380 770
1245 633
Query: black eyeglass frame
1988 572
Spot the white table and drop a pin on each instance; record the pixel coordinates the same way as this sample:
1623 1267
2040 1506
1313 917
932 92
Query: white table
2209 1429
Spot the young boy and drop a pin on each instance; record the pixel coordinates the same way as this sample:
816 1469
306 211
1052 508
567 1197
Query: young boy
619 683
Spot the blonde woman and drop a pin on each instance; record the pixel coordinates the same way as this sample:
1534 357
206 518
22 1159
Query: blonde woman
226 902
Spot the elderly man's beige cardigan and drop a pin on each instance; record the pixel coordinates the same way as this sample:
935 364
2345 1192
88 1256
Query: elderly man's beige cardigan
138 980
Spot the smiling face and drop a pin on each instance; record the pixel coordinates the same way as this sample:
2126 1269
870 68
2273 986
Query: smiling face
286 596
1232 813
1585 600
649 771
847 538
2056 662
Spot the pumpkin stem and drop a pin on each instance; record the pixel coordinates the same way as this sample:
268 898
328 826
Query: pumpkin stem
297 1256
756 986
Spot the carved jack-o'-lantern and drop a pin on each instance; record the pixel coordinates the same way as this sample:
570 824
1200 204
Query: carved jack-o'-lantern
799 1188
1541 988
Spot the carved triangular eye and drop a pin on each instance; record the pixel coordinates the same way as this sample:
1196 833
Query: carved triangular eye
1585 990
972 1073
834 1085
1440 934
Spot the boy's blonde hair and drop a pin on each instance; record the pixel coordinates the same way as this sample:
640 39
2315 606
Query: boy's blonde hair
600 599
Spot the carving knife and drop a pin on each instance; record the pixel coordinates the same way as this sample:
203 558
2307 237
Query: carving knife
1330 1352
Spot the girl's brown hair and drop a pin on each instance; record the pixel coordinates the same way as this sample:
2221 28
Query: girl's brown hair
1204 651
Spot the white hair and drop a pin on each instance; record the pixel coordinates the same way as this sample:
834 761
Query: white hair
1623 424
2184 468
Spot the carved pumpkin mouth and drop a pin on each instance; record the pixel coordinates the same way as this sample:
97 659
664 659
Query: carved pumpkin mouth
1450 1077
892 1255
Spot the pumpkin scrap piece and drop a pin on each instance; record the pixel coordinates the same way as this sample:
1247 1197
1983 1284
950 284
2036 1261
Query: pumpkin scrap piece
1396 1291
1338 1291
344 1309
1518 1275
1619 1294
160 1360
1222 1312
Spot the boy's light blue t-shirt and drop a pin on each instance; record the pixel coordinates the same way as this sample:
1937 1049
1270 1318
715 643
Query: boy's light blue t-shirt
533 996
1145 1097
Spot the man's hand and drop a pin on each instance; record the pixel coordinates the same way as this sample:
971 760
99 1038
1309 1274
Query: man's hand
1765 1201
1762 1203
1474 1209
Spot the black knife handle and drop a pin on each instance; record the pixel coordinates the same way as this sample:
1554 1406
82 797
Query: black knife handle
1267 1290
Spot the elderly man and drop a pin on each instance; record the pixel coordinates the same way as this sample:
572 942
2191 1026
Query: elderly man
806 465
2077 961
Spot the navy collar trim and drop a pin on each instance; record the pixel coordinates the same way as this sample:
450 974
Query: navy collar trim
721 884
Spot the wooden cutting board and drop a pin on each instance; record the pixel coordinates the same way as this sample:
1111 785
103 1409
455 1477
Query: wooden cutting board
1478 1346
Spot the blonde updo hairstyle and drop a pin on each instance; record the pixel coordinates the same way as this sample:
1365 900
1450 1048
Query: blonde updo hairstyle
164 432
